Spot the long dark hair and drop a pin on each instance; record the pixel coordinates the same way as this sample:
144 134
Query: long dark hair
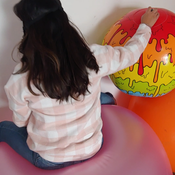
54 54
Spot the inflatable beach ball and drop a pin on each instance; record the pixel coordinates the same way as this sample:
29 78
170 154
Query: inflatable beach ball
154 73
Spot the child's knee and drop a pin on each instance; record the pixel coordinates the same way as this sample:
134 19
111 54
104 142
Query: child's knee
6 124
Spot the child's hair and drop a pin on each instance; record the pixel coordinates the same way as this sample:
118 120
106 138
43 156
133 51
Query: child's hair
55 54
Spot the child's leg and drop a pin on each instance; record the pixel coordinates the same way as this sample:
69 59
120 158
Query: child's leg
107 98
47 165
16 138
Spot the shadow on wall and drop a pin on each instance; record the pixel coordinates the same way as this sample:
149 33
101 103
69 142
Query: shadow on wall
10 34
103 27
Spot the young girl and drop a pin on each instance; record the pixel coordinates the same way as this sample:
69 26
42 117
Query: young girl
54 92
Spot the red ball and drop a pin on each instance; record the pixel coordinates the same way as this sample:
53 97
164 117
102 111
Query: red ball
154 73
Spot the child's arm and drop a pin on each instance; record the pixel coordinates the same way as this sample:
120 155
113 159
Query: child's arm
16 94
20 109
113 59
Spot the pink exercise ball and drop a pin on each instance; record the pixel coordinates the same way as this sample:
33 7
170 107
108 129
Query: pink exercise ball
130 148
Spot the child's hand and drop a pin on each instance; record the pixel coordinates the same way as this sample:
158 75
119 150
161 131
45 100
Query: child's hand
150 17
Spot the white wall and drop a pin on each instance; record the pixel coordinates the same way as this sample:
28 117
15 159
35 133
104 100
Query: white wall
93 17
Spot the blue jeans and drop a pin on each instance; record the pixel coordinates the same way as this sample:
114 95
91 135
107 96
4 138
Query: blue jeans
107 99
16 138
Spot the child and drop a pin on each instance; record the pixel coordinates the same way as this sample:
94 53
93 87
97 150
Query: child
54 92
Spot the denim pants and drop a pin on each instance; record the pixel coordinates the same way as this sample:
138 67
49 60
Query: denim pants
16 138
